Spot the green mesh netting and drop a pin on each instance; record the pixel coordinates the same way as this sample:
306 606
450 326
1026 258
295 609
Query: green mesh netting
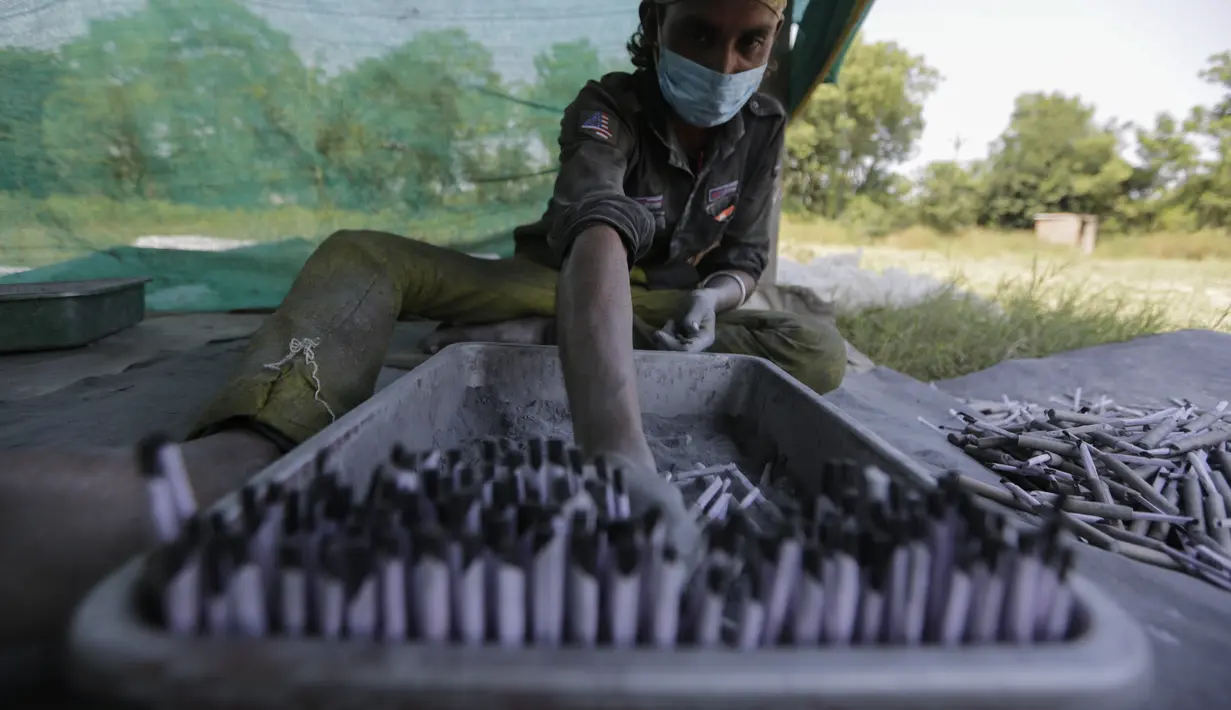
210 143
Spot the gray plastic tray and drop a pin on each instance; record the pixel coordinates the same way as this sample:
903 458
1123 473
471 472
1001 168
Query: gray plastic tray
67 314
116 654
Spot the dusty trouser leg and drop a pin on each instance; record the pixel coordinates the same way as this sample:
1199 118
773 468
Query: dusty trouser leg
346 301
351 292
810 350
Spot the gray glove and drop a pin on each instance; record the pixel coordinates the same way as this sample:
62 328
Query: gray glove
646 489
695 329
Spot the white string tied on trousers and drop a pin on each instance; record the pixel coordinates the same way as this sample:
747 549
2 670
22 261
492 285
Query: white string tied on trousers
306 347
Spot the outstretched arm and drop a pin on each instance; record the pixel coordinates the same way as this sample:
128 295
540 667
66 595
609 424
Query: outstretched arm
599 232
595 325
595 328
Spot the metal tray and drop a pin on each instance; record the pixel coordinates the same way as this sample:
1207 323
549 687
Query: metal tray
67 314
116 654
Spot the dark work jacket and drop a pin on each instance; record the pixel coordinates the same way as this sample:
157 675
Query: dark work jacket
621 166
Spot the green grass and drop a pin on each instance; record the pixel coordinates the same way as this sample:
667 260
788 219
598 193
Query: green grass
1208 245
952 334
1047 299
39 232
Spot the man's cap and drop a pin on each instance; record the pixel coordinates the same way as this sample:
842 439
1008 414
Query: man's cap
778 6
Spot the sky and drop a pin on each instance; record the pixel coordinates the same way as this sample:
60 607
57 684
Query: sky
1131 58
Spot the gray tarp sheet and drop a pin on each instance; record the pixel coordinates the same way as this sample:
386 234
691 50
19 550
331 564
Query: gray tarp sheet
1188 621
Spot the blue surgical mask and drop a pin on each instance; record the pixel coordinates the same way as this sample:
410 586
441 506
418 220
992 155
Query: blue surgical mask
701 96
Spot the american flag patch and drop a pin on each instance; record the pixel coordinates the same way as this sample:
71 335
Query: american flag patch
654 203
598 124
724 191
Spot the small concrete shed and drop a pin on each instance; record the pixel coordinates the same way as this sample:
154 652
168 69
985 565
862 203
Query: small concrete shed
1068 229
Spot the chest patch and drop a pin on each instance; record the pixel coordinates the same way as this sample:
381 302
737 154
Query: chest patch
654 203
724 191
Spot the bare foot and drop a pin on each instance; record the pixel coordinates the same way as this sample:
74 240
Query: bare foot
525 331
67 518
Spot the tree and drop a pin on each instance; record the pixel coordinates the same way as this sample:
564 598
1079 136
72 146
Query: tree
1053 158
1218 73
1174 187
883 211
426 124
26 79
207 104
1156 194
950 196
561 72
851 135
176 102
1210 190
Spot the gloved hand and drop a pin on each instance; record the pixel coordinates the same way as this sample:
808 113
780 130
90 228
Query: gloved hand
694 330
646 489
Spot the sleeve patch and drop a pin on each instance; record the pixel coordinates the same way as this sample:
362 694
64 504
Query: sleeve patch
598 124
